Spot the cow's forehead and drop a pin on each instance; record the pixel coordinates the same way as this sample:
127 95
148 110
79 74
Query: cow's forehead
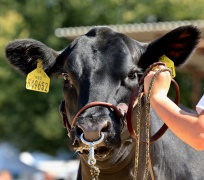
103 49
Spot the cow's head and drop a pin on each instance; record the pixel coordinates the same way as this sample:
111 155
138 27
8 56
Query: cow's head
105 66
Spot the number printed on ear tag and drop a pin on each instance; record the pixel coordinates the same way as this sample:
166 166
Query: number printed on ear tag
37 80
169 63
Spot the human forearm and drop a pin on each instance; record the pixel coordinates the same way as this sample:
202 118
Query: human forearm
188 127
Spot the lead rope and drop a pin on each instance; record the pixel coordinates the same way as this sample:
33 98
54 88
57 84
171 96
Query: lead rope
137 148
94 171
147 128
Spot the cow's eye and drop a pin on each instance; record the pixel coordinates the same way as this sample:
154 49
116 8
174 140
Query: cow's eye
132 75
67 80
65 76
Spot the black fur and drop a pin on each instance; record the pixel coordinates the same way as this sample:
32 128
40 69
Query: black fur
23 55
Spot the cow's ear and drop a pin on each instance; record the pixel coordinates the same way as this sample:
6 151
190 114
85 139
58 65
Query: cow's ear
177 45
24 53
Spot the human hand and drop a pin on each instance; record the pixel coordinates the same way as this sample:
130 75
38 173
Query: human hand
161 85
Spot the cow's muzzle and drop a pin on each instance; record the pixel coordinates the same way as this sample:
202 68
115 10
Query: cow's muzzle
93 133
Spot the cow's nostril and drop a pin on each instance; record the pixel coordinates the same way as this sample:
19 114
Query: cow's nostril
92 129
79 131
105 128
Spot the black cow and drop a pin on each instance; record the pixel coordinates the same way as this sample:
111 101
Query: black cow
105 66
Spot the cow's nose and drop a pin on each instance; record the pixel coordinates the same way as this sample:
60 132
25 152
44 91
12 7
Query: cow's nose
91 129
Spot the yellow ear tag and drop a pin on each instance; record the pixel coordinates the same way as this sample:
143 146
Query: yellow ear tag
37 80
169 63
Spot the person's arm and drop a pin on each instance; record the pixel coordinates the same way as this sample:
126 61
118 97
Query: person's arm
188 127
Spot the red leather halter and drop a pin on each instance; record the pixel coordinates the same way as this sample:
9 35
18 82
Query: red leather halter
119 112
98 103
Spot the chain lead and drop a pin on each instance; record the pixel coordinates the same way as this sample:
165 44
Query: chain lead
91 160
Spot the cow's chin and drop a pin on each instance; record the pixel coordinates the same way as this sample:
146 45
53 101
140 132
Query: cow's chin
100 152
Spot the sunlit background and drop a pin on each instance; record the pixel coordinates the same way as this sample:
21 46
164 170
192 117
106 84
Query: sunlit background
31 130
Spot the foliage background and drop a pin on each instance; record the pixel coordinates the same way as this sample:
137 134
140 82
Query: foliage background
31 120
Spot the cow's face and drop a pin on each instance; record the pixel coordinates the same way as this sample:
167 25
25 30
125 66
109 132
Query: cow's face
105 66
99 66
